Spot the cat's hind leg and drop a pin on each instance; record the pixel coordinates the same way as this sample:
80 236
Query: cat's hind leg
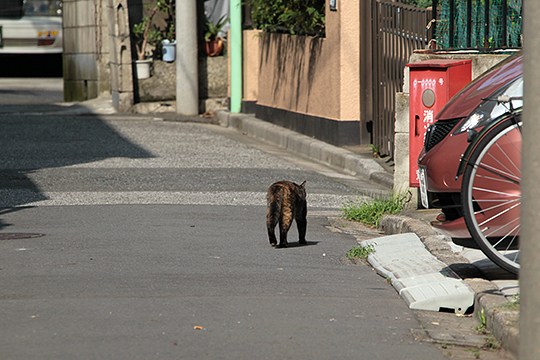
271 222
284 225
302 226
301 222
272 236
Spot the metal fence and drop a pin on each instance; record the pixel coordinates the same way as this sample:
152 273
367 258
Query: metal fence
478 24
398 30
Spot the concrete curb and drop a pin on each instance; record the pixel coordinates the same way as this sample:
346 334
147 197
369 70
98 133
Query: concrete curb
317 150
490 305
422 280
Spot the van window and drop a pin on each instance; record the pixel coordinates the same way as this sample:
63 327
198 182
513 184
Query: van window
42 8
11 9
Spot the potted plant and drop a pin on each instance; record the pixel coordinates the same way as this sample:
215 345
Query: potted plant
213 42
145 34
168 32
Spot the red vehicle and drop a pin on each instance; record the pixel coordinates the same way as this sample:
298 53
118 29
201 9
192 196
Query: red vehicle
470 166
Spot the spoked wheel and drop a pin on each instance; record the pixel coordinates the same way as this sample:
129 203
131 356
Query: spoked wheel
491 194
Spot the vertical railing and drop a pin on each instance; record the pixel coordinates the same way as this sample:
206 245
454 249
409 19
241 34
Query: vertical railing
487 24
398 30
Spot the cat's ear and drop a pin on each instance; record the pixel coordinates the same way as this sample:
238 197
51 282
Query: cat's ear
303 184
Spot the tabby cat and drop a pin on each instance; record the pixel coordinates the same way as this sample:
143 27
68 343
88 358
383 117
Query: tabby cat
286 201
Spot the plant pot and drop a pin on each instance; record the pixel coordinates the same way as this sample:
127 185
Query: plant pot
213 47
168 50
143 68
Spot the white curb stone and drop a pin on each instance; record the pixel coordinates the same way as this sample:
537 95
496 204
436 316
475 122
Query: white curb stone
424 282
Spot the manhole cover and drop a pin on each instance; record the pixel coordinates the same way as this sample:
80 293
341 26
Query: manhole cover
16 236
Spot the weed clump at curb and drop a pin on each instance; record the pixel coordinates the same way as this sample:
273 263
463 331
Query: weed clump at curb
370 213
513 304
360 252
482 322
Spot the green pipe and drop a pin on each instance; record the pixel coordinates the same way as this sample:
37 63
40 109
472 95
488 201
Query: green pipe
236 55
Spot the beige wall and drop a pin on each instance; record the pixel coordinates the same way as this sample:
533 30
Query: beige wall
250 63
349 38
315 76
299 74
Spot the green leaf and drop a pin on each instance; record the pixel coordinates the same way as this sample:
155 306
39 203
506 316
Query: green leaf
302 17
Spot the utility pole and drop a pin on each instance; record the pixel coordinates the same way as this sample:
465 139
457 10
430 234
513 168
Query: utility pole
529 277
187 72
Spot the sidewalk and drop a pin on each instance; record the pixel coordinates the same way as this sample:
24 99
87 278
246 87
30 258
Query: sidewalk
493 288
362 164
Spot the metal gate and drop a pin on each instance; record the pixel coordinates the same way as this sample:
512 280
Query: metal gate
398 29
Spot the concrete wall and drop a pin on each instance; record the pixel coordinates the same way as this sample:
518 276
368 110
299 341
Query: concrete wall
161 86
480 63
83 34
97 51
120 57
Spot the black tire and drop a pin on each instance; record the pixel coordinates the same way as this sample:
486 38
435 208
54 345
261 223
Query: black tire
491 194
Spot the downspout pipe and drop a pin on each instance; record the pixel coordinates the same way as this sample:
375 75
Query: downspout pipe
236 55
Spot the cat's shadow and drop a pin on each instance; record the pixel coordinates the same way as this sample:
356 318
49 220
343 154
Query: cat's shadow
297 245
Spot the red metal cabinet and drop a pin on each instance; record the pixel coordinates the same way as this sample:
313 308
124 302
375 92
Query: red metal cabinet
432 84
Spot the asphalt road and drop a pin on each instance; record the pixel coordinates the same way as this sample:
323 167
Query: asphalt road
149 242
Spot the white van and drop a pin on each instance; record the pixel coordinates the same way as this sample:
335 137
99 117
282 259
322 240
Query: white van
31 27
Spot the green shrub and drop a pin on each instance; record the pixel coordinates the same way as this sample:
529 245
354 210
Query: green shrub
296 17
147 34
419 3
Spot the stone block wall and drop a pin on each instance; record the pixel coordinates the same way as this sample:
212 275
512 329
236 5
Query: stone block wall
86 49
120 57
161 86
